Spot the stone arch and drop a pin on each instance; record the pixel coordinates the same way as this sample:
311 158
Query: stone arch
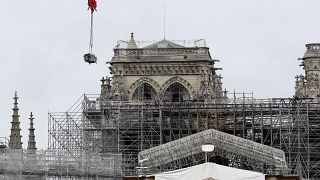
178 81
147 81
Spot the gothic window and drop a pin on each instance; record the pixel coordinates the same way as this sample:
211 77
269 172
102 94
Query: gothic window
176 92
116 98
144 92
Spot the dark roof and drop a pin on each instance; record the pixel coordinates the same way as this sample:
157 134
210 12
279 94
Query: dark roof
163 44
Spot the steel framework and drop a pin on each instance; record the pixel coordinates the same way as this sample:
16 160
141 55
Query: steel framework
179 153
99 126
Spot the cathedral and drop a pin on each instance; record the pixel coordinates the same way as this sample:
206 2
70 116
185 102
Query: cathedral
162 72
160 92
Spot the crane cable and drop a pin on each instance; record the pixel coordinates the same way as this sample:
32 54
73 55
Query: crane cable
92 6
91 34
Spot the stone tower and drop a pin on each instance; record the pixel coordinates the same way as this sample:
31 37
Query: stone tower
31 142
15 137
162 71
307 86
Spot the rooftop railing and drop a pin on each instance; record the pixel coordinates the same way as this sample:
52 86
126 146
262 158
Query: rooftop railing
141 44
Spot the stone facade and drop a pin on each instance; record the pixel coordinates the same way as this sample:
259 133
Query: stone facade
162 71
307 86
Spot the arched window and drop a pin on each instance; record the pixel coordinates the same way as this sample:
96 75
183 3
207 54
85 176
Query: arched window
176 92
144 92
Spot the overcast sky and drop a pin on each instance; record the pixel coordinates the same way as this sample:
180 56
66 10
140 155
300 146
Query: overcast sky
42 43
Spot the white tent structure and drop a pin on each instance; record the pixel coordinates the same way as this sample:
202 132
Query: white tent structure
209 171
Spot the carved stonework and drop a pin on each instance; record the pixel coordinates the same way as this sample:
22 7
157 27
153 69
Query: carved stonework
106 88
218 87
163 71
211 87
312 85
300 87
308 86
117 91
161 52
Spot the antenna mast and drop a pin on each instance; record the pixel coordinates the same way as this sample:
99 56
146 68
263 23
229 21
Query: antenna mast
164 19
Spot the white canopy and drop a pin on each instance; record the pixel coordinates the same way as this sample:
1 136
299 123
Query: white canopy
210 171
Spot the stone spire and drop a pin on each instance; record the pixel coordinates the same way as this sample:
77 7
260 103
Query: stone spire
32 142
105 87
15 137
132 43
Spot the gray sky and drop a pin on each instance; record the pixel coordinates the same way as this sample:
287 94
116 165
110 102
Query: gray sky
42 43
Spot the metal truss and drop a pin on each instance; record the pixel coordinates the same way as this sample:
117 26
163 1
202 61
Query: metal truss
262 158
96 125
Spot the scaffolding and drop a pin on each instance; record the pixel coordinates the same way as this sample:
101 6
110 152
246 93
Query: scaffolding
18 164
100 126
4 142
77 135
